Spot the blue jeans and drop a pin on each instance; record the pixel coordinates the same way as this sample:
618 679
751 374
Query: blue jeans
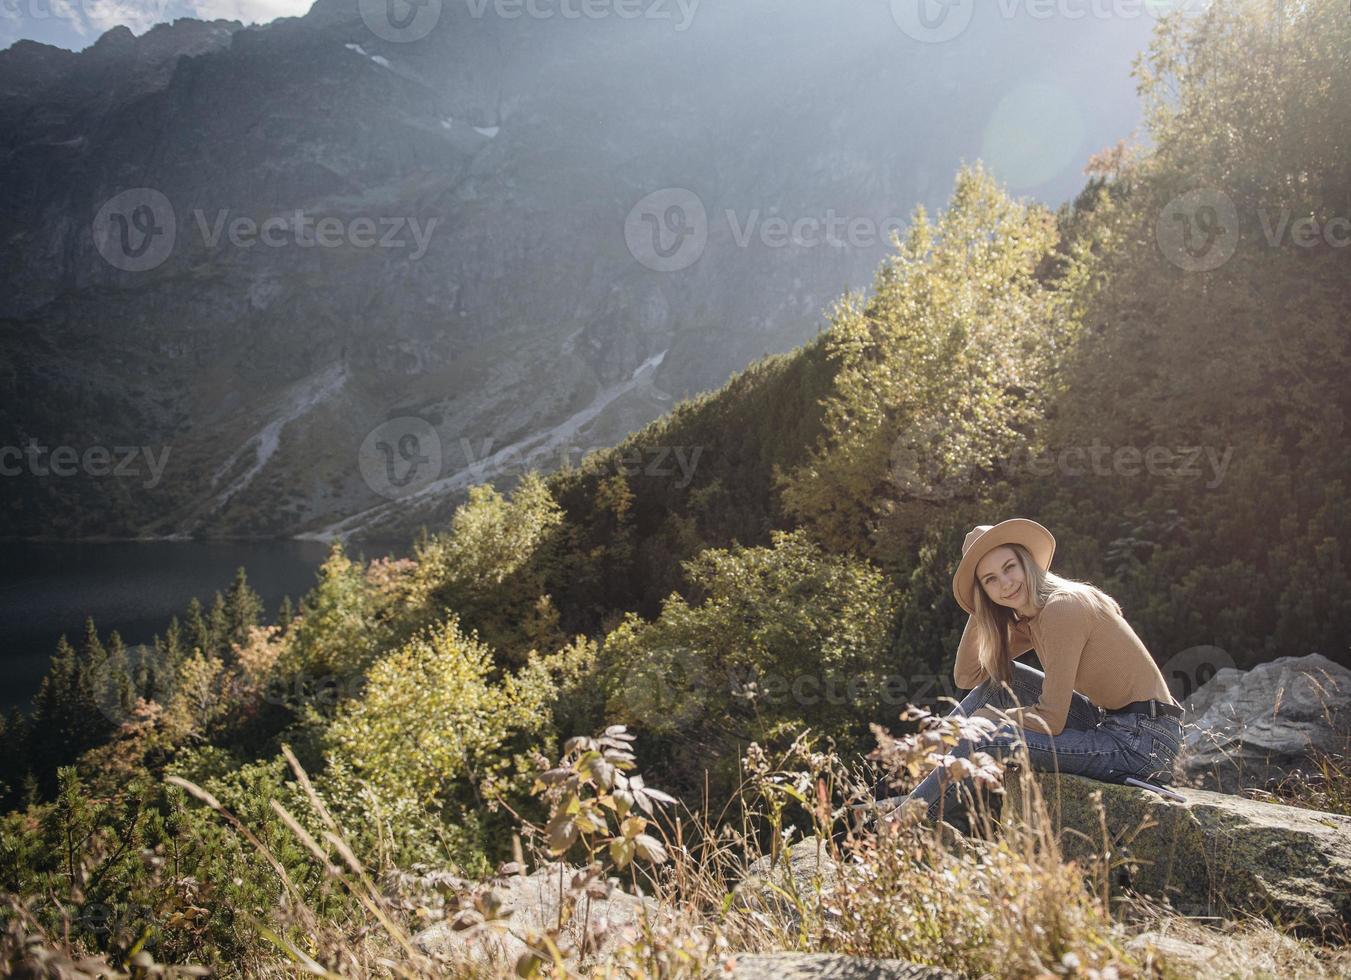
1107 748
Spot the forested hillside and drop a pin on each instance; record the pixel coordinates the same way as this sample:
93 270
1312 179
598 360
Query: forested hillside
1156 372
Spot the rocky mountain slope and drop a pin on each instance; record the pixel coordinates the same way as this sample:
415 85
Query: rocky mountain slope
328 272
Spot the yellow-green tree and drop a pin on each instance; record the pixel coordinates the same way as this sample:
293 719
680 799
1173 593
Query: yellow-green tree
777 639
940 374
490 567
431 732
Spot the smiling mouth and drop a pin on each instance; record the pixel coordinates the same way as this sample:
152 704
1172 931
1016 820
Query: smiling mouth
1014 592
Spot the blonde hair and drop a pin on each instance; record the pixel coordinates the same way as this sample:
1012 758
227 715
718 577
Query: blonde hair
994 621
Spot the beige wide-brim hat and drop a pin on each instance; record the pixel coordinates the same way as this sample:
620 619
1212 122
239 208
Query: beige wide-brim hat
1016 530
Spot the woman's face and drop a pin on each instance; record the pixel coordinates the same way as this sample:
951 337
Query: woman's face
1000 573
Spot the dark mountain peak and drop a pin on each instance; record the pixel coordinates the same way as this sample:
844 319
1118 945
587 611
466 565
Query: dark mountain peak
29 66
114 41
185 36
26 49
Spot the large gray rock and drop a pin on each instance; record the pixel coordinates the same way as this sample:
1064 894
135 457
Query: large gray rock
1212 854
529 906
1245 728
791 879
800 966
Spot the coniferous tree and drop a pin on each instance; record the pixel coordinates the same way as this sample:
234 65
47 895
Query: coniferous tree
9 752
92 652
68 826
53 723
31 794
217 627
114 687
196 632
243 610
90 724
285 613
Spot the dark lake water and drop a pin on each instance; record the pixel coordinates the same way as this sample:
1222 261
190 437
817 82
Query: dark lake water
47 588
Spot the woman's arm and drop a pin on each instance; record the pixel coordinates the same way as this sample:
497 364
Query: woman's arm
1063 627
967 671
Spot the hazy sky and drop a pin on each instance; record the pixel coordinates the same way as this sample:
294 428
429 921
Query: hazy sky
76 24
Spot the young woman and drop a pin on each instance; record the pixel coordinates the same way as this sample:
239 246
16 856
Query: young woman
1101 709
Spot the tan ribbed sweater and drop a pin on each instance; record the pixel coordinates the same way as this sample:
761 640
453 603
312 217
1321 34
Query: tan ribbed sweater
1100 657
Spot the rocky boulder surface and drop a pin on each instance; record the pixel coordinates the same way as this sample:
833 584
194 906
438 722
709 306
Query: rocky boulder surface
1244 728
799 966
523 906
1212 854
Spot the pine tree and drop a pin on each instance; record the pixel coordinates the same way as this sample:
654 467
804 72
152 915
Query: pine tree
68 826
114 687
53 724
88 724
92 653
197 634
217 627
31 794
243 609
16 731
172 652
9 753
286 613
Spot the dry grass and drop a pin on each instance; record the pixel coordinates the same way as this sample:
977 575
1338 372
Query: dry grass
1002 902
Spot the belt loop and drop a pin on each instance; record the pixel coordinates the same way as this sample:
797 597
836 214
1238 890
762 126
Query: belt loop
1153 708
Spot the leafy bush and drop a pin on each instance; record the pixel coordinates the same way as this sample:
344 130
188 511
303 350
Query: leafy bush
432 737
784 636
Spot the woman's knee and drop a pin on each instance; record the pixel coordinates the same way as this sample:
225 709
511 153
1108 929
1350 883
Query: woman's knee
1022 691
1027 683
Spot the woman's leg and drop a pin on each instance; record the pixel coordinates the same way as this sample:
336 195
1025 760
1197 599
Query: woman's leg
1025 686
1082 747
